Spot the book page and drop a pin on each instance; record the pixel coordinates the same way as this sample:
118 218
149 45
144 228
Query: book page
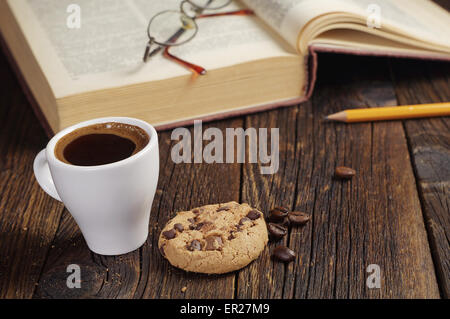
107 50
419 19
289 17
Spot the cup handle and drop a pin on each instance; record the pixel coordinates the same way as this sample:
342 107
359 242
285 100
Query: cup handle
43 176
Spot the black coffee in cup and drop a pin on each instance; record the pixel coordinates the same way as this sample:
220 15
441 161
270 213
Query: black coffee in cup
101 144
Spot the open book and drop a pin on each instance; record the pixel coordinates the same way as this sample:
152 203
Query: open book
253 62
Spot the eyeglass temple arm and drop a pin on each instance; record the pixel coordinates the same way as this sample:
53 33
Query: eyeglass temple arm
242 12
193 67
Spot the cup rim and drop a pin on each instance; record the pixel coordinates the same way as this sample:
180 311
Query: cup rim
148 128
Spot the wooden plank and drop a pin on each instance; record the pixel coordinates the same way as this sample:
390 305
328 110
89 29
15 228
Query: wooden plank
69 248
429 143
374 219
28 217
264 278
187 186
145 273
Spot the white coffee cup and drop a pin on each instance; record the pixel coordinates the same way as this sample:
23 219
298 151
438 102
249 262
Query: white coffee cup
111 203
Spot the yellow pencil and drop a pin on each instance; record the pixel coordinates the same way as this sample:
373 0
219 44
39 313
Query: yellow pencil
391 113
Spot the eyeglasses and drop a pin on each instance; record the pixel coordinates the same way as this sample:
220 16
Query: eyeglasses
174 28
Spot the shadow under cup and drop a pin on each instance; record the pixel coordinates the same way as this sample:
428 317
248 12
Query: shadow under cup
109 187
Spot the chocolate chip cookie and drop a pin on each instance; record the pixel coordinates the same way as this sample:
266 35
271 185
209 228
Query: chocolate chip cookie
214 239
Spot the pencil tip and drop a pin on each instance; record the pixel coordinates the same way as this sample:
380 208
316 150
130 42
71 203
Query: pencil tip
341 116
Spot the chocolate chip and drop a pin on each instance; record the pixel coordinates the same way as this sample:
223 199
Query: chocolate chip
191 220
278 214
276 231
222 208
243 220
192 227
299 218
344 172
254 214
208 226
231 236
199 226
195 245
170 234
284 254
178 227
213 242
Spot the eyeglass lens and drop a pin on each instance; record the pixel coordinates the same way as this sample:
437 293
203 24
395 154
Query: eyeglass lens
172 28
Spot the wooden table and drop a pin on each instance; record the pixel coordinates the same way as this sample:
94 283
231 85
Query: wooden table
394 213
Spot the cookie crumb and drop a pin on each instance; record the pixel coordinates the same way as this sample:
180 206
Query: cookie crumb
184 289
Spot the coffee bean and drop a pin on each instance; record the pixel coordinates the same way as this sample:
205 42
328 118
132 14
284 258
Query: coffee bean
284 254
344 172
281 209
276 231
195 245
278 214
285 223
220 209
170 234
298 218
178 227
243 220
254 214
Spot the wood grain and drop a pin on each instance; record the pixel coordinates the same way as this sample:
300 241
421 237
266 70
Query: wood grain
264 278
28 217
144 273
374 219
187 186
429 143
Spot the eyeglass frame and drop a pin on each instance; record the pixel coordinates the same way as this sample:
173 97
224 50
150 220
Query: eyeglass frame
199 70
